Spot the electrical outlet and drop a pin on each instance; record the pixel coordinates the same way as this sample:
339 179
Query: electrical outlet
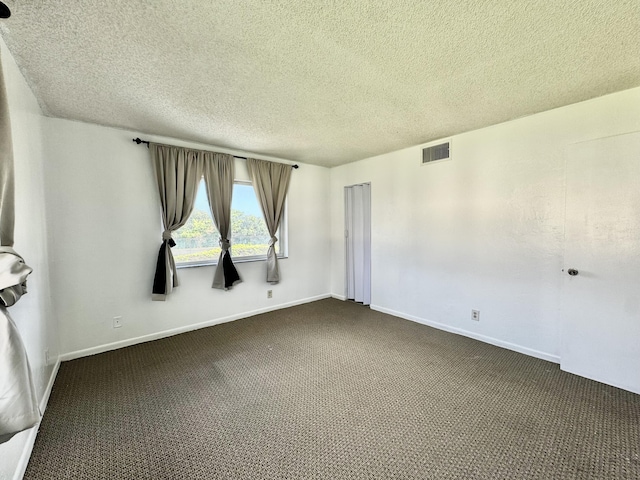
117 321
475 315
269 293
47 359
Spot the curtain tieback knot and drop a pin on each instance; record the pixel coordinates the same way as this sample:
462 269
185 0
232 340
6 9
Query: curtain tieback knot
273 241
166 235
225 244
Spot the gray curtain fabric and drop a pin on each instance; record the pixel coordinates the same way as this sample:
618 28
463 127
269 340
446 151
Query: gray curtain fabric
271 182
219 172
18 400
6 170
178 172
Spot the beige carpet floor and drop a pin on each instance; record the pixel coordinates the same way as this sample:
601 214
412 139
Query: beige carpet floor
331 390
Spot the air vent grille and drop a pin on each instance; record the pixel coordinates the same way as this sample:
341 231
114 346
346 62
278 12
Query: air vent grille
435 152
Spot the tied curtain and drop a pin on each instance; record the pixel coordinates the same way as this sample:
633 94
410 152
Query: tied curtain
18 401
271 183
219 173
178 173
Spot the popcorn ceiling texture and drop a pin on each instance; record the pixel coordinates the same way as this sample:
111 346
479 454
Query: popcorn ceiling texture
325 82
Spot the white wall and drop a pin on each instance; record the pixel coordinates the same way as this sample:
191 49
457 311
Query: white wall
33 314
104 220
481 231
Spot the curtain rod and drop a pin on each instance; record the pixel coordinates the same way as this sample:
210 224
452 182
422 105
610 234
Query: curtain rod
138 140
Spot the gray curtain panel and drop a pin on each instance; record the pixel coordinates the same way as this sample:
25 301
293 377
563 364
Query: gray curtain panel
6 170
271 182
178 172
219 172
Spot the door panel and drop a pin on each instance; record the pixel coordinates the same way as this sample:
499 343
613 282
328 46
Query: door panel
358 242
601 304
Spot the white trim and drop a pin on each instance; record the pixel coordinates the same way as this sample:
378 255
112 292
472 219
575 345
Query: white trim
187 328
339 297
595 378
21 467
47 392
476 336
214 263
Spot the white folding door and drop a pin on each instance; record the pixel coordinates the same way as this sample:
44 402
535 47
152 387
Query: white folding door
358 242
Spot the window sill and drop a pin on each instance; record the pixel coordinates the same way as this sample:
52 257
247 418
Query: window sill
235 261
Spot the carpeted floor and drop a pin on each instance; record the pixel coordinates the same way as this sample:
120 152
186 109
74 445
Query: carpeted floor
331 390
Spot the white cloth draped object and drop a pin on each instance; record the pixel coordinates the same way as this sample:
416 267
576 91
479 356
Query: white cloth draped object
18 401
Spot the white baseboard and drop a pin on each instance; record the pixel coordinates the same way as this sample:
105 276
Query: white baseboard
187 328
590 376
33 432
338 297
476 336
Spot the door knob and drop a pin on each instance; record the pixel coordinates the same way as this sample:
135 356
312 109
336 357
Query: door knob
572 271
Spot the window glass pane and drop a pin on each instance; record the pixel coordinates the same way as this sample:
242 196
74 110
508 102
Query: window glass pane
198 240
249 234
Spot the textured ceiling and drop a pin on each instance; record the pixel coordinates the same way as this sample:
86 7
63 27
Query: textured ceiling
321 82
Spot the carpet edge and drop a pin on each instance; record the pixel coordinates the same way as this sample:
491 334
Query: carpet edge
186 328
466 333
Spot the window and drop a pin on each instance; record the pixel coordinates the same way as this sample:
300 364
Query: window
197 242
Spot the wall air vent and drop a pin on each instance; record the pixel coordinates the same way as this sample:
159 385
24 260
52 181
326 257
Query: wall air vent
436 152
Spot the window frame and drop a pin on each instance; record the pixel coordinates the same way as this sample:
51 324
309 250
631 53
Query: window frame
282 234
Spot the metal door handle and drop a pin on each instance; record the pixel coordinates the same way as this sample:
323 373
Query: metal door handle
573 272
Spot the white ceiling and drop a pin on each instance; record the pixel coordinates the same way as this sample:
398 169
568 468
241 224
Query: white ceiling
321 82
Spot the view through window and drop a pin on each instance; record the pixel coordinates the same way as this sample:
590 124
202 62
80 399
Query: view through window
197 242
